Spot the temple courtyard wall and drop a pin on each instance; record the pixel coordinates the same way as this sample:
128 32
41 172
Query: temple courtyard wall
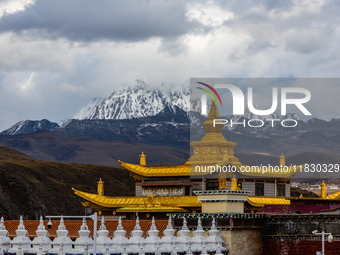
292 234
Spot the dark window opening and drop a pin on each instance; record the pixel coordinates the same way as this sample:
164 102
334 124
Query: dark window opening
281 192
212 185
259 189
187 191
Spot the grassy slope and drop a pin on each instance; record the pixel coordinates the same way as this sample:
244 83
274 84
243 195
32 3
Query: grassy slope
31 187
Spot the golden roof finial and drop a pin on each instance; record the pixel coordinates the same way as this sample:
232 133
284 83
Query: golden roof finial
282 160
213 112
323 189
142 159
100 187
211 125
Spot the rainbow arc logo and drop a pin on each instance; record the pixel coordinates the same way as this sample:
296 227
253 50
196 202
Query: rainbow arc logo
209 93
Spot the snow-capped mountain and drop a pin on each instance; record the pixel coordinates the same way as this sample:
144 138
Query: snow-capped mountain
30 126
129 102
162 116
89 109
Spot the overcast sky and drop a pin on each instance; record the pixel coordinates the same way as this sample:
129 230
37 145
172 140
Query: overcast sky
57 55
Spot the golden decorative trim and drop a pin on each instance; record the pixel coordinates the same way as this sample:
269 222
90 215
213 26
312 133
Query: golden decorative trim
116 202
261 201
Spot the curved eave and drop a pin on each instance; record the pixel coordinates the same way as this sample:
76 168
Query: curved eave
262 201
116 202
333 196
163 171
105 201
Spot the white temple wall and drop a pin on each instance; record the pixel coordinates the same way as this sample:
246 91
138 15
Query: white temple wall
138 191
287 190
249 186
269 189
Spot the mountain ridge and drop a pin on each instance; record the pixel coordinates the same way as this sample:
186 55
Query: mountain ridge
135 102
173 125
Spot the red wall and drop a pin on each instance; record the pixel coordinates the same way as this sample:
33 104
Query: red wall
299 247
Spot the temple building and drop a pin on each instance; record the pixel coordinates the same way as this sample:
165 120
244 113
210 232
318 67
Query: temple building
212 175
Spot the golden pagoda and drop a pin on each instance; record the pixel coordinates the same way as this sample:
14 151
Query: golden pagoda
162 189
213 148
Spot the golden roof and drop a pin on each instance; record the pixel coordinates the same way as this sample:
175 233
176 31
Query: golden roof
142 202
333 196
165 204
261 201
160 171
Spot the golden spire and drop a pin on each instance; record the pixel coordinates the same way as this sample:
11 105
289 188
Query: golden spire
213 148
209 124
142 159
213 112
323 190
282 160
100 187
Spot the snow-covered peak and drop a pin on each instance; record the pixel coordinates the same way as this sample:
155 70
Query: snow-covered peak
30 126
136 101
89 109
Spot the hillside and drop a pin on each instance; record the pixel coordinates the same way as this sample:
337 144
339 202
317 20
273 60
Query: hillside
31 187
46 145
296 192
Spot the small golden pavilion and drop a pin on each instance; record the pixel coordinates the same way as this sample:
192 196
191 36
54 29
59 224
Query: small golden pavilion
184 188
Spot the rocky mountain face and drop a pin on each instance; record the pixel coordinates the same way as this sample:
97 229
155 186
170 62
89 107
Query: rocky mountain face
136 102
314 135
170 127
30 126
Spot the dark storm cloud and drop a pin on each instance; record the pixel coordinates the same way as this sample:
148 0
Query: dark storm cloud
87 20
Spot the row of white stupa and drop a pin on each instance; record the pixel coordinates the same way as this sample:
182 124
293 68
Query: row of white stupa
119 244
